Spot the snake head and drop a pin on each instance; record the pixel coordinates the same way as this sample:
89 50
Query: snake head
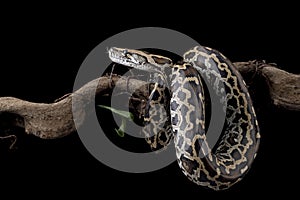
139 59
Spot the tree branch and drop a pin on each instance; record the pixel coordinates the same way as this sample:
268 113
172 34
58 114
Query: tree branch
283 87
55 120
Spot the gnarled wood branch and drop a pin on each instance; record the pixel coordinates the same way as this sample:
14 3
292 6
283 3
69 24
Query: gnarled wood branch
283 87
55 120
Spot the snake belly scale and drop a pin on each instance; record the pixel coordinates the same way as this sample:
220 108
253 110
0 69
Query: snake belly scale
233 155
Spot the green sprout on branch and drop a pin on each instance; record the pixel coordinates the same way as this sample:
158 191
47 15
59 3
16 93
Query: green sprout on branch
125 116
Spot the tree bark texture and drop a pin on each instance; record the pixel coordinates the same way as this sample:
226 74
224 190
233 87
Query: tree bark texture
55 120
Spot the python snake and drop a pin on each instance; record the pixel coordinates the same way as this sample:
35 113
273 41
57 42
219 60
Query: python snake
227 163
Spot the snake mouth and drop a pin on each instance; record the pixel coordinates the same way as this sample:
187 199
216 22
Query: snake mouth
127 57
138 59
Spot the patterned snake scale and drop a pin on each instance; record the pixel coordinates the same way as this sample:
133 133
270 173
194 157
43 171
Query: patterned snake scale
227 163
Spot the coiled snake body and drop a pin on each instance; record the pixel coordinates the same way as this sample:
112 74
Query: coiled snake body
218 168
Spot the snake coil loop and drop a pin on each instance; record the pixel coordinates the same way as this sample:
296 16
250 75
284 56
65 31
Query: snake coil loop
231 159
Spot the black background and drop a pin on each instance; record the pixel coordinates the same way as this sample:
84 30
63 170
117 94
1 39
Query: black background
42 49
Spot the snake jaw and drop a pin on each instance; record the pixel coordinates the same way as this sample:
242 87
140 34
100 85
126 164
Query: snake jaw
126 57
139 59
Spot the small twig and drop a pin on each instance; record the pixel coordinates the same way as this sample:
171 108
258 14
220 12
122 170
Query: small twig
11 146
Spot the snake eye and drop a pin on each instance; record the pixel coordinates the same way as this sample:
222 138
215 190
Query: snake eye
125 51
